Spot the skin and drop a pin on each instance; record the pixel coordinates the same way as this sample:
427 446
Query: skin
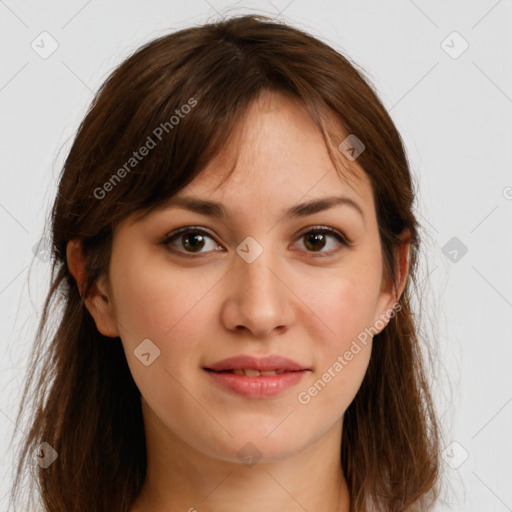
212 305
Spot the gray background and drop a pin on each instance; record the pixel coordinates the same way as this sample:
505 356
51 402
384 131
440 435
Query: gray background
453 108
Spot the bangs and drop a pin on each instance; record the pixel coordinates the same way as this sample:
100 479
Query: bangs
177 115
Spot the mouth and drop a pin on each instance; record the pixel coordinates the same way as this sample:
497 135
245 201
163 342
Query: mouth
256 376
247 364
251 372
255 384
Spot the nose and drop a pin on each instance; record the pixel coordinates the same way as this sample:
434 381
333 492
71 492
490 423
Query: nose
258 299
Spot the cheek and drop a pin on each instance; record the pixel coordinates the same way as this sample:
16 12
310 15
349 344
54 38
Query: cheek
166 309
153 302
342 304
169 308
342 310
341 365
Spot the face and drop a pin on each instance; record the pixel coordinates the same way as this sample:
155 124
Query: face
255 282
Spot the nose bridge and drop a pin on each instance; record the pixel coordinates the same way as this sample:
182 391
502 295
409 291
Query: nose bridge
257 299
253 269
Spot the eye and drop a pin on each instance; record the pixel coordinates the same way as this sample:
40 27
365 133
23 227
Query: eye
189 238
317 238
192 240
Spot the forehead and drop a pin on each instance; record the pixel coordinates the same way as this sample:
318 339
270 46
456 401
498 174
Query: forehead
275 163
277 149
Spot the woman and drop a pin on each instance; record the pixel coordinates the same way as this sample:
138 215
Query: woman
233 251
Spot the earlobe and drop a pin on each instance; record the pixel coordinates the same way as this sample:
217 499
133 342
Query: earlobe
97 301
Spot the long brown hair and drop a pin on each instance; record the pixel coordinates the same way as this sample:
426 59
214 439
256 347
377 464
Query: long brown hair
85 404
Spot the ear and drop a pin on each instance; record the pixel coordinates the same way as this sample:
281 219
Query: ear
392 291
98 302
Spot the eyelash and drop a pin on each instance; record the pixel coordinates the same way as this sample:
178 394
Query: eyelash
196 230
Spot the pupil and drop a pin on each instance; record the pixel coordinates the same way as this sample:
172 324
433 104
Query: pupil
193 245
316 237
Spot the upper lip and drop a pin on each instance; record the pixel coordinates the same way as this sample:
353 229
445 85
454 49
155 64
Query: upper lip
262 363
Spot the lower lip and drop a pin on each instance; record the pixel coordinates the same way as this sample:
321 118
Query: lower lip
263 386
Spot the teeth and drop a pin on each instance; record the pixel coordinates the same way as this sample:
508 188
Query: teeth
249 372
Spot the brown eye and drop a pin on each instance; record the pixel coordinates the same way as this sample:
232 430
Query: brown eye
316 240
189 240
193 241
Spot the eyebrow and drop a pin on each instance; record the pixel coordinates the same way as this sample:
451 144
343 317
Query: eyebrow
215 209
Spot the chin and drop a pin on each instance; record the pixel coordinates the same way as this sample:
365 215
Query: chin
254 446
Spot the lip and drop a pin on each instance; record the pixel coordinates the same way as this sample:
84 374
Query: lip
262 363
263 386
